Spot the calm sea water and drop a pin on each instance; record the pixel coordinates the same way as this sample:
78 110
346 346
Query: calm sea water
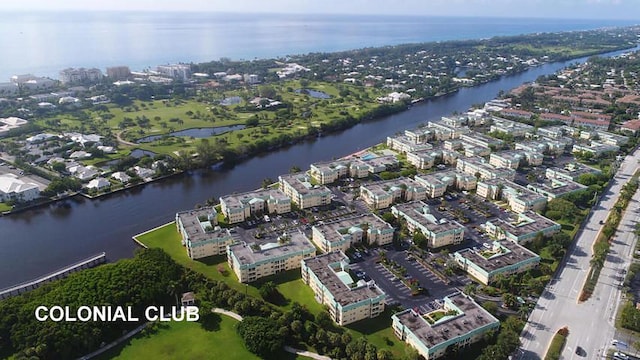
45 43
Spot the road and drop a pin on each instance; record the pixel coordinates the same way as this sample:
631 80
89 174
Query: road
591 323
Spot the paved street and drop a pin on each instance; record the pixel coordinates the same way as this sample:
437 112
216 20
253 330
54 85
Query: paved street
591 324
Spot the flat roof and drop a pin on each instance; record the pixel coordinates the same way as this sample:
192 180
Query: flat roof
270 248
421 213
556 187
302 184
470 317
518 191
386 186
195 229
522 224
335 231
328 269
501 254
235 201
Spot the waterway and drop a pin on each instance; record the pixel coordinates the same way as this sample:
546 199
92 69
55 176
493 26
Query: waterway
42 240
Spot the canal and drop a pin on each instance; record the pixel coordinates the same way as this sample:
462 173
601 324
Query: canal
45 239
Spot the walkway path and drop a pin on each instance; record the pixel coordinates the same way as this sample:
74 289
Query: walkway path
123 141
288 349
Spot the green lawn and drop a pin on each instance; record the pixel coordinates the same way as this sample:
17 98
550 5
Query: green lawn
4 207
168 239
185 340
378 332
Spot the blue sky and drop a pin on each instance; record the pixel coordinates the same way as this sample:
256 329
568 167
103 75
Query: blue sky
589 9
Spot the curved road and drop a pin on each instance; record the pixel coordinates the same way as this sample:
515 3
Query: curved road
591 323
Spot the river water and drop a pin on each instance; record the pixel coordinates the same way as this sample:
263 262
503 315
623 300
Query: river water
39 241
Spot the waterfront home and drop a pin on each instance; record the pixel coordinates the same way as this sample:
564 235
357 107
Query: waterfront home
252 259
200 235
15 189
456 323
98 184
239 207
348 300
438 230
302 192
121 176
501 257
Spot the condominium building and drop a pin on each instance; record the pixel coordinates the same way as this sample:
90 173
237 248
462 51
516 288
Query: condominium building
458 121
327 172
200 235
445 132
519 198
382 194
478 167
175 71
571 171
456 324
479 139
553 132
251 261
434 186
424 159
521 228
343 233
348 301
377 164
419 135
404 144
502 257
239 207
81 75
513 128
507 159
553 188
438 230
305 195
595 148
456 179
118 72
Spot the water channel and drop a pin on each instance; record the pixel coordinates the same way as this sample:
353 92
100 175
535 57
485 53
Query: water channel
42 240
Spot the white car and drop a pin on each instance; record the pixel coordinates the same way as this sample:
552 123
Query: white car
619 355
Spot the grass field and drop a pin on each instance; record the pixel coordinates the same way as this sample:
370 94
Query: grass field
5 207
185 340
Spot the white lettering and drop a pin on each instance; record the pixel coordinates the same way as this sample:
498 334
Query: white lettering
163 316
40 317
87 311
60 313
147 312
67 315
130 316
119 315
100 312
192 313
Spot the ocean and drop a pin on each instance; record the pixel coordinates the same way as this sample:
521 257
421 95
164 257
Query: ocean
43 43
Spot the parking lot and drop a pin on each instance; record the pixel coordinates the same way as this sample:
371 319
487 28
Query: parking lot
396 291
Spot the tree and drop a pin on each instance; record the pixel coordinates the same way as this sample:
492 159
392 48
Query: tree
268 290
491 307
294 169
420 240
509 300
261 335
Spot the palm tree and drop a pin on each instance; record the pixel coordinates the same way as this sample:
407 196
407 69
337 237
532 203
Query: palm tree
172 289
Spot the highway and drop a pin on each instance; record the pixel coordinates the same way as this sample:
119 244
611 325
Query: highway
591 324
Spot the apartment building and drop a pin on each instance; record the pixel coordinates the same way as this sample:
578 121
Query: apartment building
419 135
327 172
382 194
438 230
305 195
239 207
348 301
479 139
571 171
445 132
501 257
521 228
175 71
519 198
595 148
404 144
515 129
434 186
81 75
343 233
478 167
253 260
458 323
200 235
456 179
553 188
507 159
424 159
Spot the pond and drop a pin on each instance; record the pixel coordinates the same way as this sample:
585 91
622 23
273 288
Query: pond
314 93
195 132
